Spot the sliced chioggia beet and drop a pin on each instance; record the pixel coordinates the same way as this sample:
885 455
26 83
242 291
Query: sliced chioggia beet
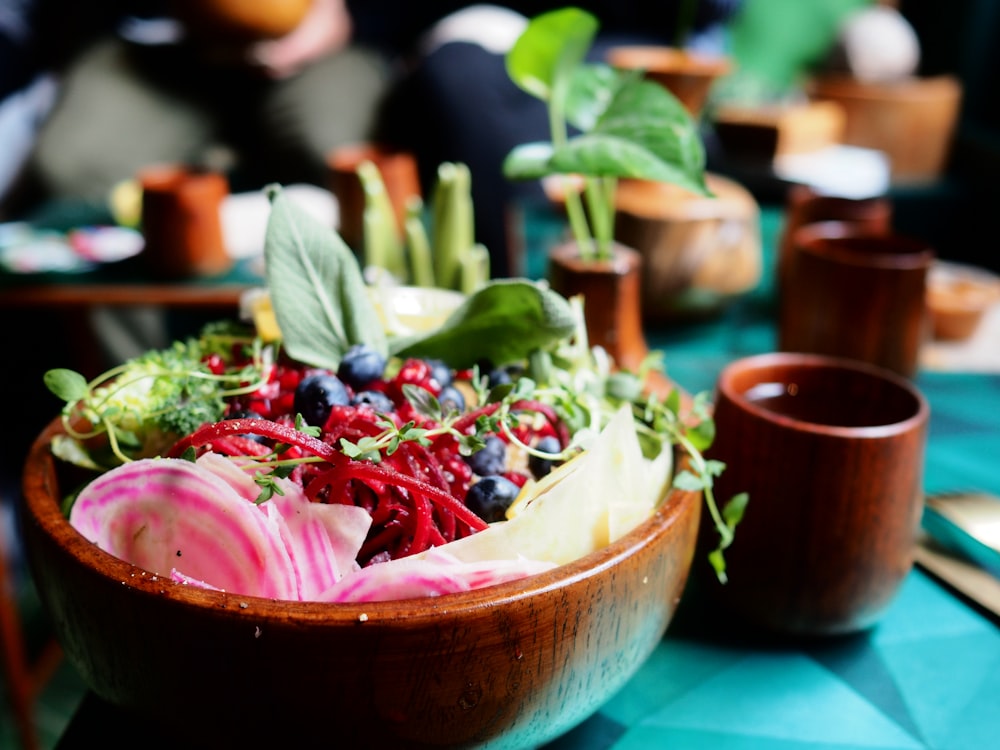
433 573
322 539
194 522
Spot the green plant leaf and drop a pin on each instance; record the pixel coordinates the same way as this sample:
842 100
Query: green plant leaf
592 90
550 48
316 287
504 321
643 132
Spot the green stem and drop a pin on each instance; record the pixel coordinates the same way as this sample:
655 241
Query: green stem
421 257
600 202
574 203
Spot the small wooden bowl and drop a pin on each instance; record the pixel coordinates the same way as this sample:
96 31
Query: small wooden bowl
510 666
687 75
958 297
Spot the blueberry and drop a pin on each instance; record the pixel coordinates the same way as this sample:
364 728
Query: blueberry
440 372
498 376
248 414
490 459
490 497
361 365
451 396
317 394
376 400
541 466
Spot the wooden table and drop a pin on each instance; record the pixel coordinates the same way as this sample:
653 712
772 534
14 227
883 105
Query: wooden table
69 300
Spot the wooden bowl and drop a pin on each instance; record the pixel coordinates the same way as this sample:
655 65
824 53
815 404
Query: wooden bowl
510 666
958 297
698 253
686 74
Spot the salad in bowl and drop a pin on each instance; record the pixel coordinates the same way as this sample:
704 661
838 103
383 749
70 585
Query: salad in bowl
313 453
315 524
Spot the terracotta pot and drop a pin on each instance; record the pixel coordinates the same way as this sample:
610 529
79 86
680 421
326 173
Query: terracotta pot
181 221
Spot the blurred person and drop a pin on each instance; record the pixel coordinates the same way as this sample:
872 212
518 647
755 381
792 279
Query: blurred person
146 82
470 111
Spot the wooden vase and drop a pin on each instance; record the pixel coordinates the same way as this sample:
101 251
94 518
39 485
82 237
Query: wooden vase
611 295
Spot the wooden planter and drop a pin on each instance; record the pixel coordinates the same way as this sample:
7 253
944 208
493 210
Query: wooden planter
911 120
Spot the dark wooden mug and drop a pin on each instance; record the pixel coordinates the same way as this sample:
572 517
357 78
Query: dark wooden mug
852 293
831 452
805 204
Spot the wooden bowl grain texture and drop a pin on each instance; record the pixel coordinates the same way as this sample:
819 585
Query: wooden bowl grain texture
510 666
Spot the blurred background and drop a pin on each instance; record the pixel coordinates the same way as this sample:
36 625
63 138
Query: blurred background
854 98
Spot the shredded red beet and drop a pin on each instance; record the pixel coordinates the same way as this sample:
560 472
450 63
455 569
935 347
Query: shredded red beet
410 501
415 495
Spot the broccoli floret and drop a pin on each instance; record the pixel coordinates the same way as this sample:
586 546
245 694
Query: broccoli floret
150 401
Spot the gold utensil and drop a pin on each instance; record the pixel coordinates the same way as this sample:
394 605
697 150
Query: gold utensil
961 545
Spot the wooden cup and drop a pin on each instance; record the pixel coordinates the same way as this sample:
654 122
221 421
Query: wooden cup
805 204
831 452
852 293
181 221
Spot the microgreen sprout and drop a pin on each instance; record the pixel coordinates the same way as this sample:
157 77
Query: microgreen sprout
141 406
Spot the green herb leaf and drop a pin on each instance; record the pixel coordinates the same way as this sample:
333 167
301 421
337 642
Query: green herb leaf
317 290
66 384
302 426
733 511
689 481
268 487
502 322
423 401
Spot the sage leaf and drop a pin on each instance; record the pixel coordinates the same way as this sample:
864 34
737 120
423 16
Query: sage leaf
502 322
317 291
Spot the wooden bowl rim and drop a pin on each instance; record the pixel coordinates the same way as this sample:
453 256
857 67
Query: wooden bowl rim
832 239
664 59
773 360
42 507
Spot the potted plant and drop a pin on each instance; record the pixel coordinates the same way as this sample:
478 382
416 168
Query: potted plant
623 126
